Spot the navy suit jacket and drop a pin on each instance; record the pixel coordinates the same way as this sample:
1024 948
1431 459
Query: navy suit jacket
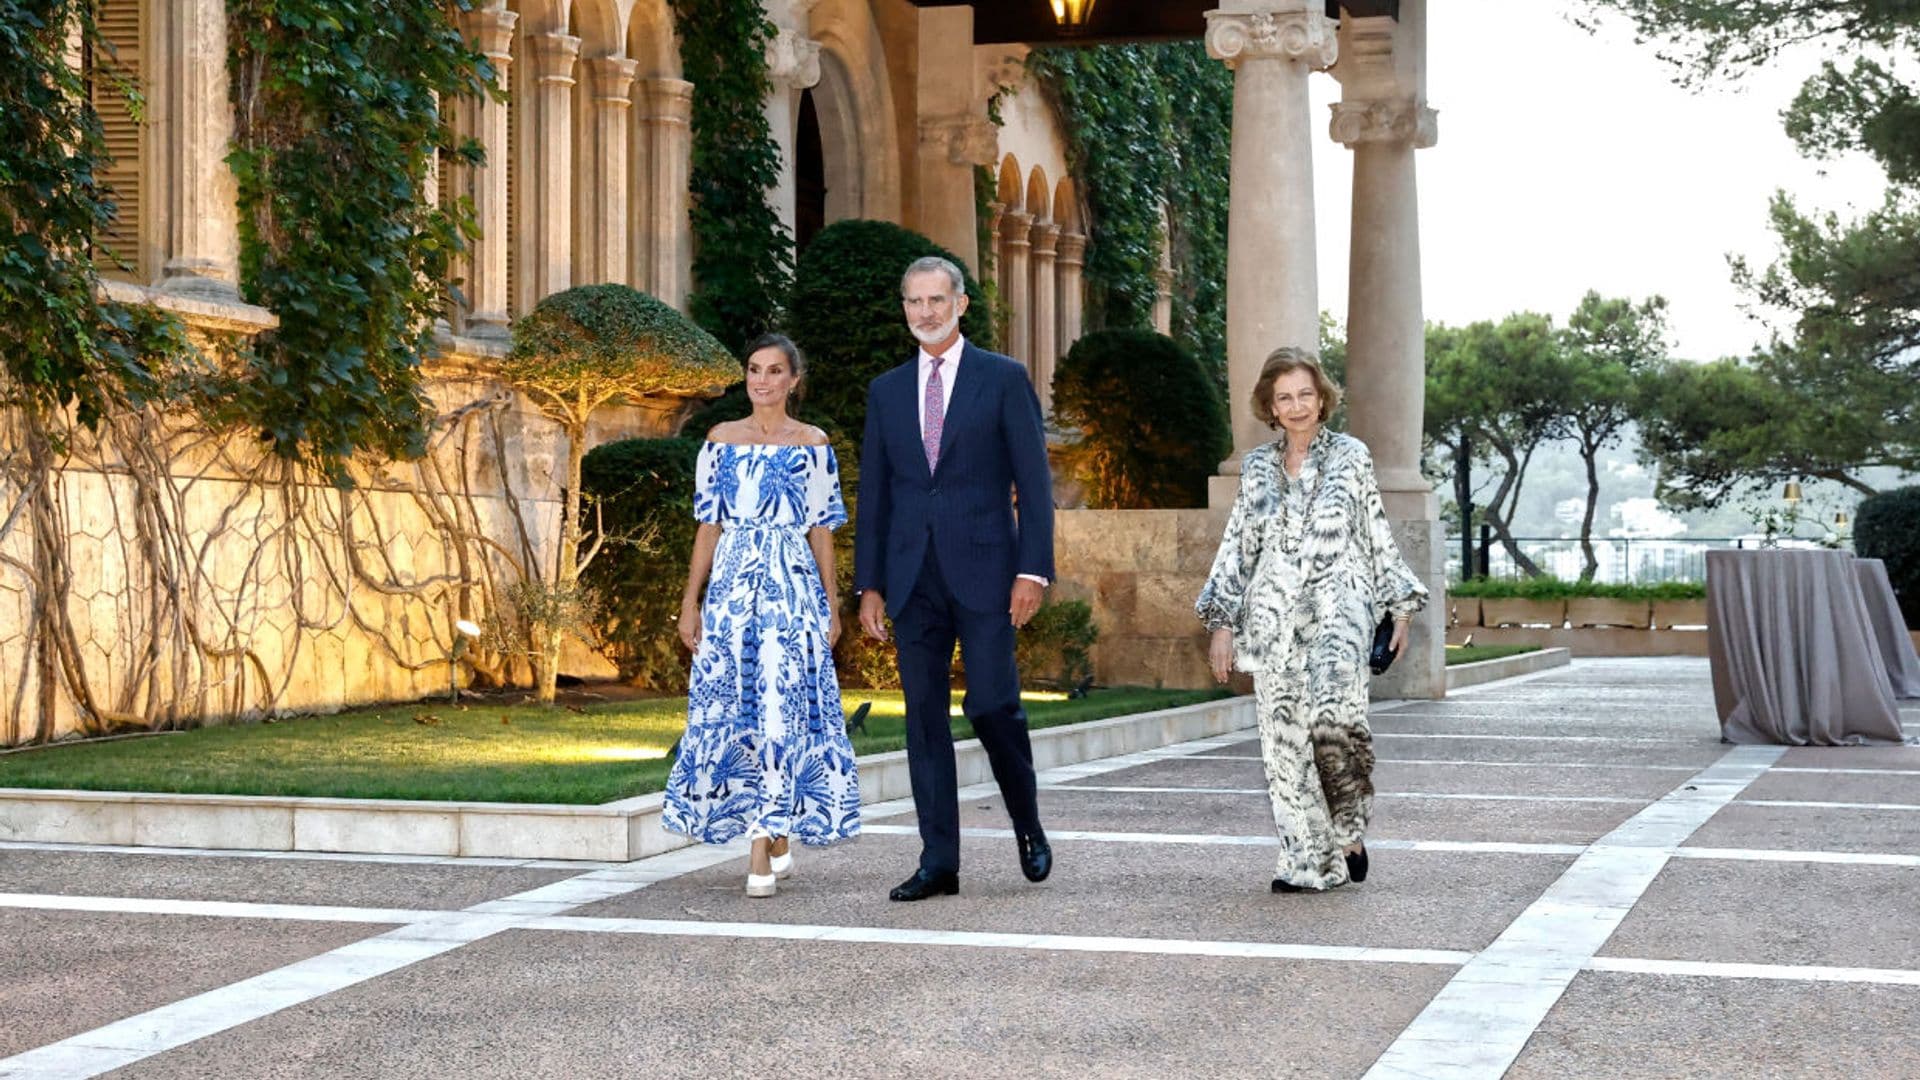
993 444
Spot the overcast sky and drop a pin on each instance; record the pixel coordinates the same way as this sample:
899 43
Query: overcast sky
1569 161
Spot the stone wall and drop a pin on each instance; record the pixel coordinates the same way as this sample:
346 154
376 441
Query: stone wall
1140 570
269 595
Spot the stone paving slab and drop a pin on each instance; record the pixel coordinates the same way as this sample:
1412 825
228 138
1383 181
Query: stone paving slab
1413 899
1853 757
1251 815
1789 913
1662 1027
1821 787
62 972
584 1006
1812 829
1651 726
1697 753
1471 779
271 881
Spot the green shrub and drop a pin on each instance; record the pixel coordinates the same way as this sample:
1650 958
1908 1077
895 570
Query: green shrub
1552 588
1887 527
1152 426
846 313
1052 648
642 490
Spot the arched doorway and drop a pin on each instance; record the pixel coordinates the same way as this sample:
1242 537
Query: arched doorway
810 176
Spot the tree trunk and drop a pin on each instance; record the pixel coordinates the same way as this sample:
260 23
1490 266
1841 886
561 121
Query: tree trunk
1463 495
566 571
1590 563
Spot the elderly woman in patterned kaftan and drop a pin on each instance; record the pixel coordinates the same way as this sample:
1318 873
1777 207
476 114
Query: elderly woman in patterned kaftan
1306 569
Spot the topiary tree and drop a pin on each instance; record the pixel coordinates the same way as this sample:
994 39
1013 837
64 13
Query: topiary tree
1887 527
846 315
641 494
575 352
1152 425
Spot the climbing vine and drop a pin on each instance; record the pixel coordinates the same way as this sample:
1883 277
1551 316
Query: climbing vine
337 124
1149 127
60 345
743 254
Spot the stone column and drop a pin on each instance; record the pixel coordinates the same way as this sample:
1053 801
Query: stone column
1273 296
203 230
483 266
793 65
1046 345
668 118
546 207
1383 118
1016 284
1163 293
955 134
1067 266
990 275
600 193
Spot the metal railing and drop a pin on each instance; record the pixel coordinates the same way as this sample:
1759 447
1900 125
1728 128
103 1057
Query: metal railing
1623 560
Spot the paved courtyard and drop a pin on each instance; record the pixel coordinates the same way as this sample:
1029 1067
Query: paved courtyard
1571 877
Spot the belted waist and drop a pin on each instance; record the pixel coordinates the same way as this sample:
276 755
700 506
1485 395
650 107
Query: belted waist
760 526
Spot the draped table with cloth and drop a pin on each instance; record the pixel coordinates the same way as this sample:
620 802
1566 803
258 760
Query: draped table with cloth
1794 653
1889 628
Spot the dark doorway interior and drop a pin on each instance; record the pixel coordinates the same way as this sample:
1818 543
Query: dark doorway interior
810 177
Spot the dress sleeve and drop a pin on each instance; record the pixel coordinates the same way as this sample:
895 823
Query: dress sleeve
1223 599
825 507
1396 588
708 507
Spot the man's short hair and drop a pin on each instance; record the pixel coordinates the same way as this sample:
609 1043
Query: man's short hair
927 264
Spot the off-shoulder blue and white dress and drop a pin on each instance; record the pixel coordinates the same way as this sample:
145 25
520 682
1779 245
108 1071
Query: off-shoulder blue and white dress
766 750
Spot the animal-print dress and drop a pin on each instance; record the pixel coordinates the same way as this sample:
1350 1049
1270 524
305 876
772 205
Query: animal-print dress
1305 570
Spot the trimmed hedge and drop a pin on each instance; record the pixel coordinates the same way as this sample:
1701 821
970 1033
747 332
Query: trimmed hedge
846 314
1552 588
643 489
1887 527
1153 427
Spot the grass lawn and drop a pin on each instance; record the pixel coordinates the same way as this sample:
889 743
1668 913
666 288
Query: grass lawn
474 752
1458 654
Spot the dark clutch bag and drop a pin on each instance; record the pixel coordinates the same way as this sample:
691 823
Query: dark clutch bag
1380 657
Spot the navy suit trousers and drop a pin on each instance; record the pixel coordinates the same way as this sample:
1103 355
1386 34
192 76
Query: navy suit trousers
924 632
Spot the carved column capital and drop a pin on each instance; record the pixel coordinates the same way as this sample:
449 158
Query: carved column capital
1409 122
668 100
1072 249
1044 236
553 57
1016 227
968 140
491 33
793 60
611 78
1305 36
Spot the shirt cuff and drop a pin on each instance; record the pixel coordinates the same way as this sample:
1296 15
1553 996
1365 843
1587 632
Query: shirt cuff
1036 577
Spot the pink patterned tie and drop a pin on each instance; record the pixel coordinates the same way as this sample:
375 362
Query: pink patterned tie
936 409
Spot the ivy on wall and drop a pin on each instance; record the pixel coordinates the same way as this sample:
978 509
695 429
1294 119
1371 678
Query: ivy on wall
60 345
336 126
1149 126
743 254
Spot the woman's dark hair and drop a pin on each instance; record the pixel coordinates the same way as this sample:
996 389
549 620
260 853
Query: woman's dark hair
796 362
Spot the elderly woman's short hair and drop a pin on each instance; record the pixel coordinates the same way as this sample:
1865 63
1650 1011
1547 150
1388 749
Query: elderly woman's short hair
928 264
1284 361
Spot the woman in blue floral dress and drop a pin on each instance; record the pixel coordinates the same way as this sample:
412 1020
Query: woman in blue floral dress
766 754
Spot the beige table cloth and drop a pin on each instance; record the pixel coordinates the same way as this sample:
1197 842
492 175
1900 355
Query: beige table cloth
1889 628
1794 657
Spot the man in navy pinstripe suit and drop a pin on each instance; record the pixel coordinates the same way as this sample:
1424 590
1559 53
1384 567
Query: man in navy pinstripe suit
952 436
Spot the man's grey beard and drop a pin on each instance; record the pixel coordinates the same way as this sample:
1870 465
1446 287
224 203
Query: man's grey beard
936 337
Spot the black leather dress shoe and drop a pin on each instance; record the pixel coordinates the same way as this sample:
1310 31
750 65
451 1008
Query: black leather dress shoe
924 884
1036 857
1357 864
